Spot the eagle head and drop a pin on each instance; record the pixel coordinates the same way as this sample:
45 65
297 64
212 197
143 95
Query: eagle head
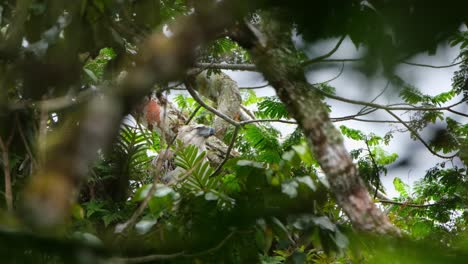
195 135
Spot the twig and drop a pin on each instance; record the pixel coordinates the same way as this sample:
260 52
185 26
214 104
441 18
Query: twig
456 112
224 66
432 66
193 114
216 248
228 152
148 258
331 52
156 257
334 78
419 137
401 61
407 204
386 107
266 120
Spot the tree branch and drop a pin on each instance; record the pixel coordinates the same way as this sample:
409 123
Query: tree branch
416 134
282 69
331 52
197 98
228 152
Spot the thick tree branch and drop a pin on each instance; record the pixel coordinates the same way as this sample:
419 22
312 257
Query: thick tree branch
161 59
277 61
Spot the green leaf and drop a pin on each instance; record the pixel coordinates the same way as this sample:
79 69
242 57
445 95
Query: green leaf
290 188
303 151
352 133
401 187
271 107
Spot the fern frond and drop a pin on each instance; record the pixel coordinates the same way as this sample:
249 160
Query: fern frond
193 161
271 107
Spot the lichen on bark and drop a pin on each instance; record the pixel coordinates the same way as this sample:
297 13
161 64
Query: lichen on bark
273 52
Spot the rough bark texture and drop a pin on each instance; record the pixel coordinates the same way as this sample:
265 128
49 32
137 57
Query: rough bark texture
274 54
222 90
49 194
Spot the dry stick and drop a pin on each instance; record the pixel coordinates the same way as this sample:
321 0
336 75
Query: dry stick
419 137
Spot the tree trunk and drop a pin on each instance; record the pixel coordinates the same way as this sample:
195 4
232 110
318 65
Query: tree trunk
275 56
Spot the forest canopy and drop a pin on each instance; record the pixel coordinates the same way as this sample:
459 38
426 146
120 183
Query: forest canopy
125 138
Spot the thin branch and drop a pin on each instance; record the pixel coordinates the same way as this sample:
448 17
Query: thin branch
216 248
376 97
156 257
334 78
337 60
267 120
432 66
209 108
224 66
351 118
254 87
385 107
195 111
456 112
407 204
148 258
419 137
401 61
177 88
320 59
331 52
228 152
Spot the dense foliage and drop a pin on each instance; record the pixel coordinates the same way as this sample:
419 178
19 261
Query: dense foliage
268 201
